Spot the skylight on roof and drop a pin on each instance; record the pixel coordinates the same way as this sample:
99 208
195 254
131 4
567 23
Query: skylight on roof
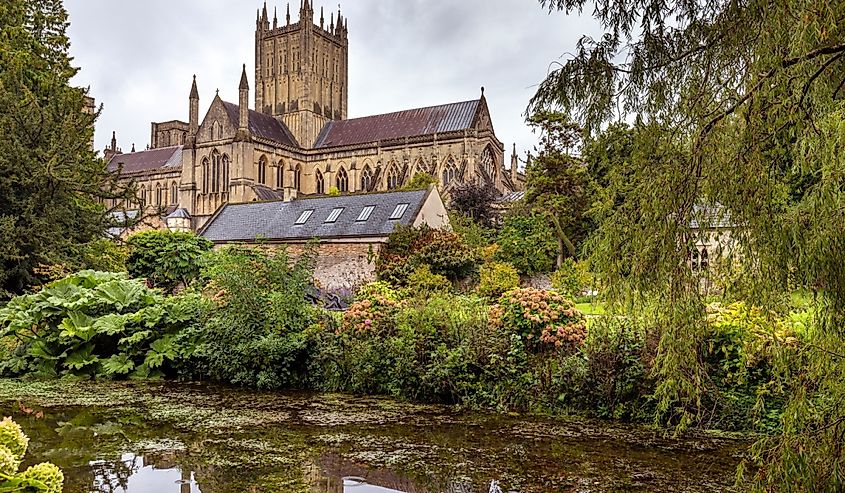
399 211
303 218
366 213
334 215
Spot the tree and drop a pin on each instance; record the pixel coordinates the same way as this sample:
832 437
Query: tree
739 104
166 259
475 201
557 182
527 242
50 179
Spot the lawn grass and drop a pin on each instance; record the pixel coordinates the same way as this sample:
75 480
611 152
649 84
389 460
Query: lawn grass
591 309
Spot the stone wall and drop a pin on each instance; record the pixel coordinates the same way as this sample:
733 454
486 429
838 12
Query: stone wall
343 265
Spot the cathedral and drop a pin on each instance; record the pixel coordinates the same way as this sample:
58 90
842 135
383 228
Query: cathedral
298 141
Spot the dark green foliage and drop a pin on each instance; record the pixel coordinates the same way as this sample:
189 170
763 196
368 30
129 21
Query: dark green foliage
557 184
103 325
409 248
50 178
166 259
527 242
609 377
256 335
475 201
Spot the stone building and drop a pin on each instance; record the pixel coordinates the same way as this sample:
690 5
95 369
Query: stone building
298 140
351 229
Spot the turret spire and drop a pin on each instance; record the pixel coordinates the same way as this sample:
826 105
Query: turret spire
275 18
194 92
264 13
322 19
243 117
288 15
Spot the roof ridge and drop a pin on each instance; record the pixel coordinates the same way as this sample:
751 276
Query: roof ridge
406 110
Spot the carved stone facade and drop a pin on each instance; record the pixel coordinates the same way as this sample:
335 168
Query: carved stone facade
298 140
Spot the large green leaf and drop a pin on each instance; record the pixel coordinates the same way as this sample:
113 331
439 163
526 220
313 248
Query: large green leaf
119 364
78 325
160 350
135 338
82 358
121 294
111 324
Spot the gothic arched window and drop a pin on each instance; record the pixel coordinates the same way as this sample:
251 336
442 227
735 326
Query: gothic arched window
321 186
394 179
174 193
297 178
142 196
205 175
450 172
215 172
280 175
488 163
342 180
225 173
158 195
262 170
216 132
421 167
366 178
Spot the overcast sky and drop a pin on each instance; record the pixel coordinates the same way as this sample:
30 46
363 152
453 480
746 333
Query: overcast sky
138 56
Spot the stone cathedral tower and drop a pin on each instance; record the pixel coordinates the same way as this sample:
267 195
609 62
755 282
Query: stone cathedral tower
301 71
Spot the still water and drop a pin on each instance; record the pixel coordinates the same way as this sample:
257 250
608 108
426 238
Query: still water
188 438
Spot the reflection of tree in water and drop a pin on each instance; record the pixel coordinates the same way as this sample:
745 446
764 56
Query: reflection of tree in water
108 476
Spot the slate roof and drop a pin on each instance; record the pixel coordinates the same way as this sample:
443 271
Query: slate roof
710 217
262 125
264 192
409 123
151 159
121 219
275 220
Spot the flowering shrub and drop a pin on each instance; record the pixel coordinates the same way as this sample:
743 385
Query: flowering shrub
544 319
373 315
496 279
408 248
40 478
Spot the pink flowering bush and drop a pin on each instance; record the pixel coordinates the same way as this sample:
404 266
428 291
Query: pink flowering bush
544 319
374 311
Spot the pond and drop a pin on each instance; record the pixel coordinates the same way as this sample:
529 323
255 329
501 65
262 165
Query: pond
191 438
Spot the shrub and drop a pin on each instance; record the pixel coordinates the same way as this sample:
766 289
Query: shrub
528 243
374 314
544 319
475 201
571 278
738 353
410 248
40 478
471 232
423 283
256 336
165 258
496 279
420 181
95 324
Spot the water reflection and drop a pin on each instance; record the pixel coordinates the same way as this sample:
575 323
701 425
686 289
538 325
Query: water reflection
132 475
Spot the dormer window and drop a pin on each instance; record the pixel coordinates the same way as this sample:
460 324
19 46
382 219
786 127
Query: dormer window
334 215
303 218
399 211
366 213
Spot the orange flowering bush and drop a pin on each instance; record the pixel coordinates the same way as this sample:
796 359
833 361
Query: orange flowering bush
544 319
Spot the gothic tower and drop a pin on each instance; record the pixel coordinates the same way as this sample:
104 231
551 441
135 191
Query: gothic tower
301 71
